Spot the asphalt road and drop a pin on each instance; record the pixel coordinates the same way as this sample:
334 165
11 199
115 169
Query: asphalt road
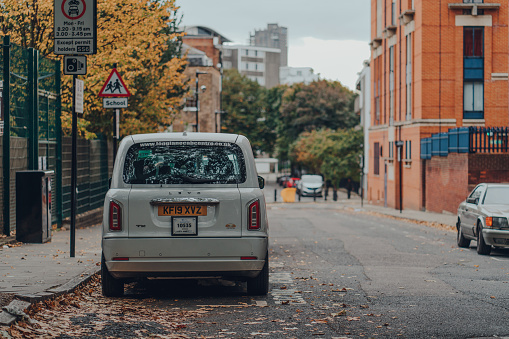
346 274
334 274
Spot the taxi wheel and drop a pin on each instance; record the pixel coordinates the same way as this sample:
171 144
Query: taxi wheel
462 241
482 247
260 284
111 287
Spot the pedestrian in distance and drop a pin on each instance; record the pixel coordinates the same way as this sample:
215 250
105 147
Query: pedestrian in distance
327 186
349 186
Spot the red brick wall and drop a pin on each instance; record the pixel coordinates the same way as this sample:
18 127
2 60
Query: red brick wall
450 179
487 168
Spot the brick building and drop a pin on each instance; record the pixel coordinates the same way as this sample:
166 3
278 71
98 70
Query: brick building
435 65
202 107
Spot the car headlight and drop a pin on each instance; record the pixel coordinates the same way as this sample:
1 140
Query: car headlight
496 222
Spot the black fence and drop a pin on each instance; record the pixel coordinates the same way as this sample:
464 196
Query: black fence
31 137
488 140
466 140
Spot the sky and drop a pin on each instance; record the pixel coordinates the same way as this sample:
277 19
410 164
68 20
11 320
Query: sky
331 36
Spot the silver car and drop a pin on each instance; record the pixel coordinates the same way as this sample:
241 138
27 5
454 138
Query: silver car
185 205
310 185
483 217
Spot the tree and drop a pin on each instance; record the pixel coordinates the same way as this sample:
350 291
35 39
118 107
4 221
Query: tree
244 101
335 154
135 34
321 104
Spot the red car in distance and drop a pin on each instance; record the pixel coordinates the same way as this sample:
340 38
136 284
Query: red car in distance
291 182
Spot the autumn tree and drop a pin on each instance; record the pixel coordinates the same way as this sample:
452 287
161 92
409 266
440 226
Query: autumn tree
135 34
245 104
321 104
335 154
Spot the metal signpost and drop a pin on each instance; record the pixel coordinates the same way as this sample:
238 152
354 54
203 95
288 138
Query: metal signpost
75 35
115 93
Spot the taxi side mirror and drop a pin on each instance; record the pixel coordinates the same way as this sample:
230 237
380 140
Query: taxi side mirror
261 182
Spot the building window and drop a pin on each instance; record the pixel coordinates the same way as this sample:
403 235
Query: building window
409 77
393 11
473 72
376 159
391 85
408 150
391 150
473 98
376 90
379 16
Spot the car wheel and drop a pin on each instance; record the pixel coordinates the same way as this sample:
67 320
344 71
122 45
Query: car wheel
111 287
260 284
462 241
482 247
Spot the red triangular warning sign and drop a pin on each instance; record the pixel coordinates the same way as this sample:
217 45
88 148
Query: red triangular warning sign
114 86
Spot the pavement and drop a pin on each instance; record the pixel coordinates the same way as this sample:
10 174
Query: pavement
34 272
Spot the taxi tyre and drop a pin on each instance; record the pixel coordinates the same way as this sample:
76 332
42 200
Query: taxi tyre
462 241
260 284
111 287
482 247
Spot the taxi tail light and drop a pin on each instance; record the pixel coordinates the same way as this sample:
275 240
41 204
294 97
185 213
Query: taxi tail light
254 215
115 217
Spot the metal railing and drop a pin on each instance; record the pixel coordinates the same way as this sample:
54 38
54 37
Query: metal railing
488 139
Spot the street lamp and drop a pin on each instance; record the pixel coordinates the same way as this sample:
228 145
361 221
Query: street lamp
196 97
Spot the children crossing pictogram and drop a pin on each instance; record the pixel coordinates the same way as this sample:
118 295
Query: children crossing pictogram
114 86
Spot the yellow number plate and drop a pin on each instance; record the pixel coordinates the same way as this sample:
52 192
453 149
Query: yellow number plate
199 210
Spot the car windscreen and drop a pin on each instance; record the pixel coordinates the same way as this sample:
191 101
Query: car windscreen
175 162
316 179
496 196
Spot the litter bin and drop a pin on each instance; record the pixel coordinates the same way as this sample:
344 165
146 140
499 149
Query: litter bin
33 206
288 194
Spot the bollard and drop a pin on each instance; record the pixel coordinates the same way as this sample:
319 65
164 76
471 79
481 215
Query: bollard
314 194
275 195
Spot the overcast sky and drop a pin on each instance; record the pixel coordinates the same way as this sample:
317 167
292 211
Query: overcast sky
331 36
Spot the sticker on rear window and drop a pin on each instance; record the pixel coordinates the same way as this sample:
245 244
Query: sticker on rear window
144 154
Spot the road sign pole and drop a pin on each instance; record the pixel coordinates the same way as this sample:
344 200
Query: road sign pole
74 169
116 127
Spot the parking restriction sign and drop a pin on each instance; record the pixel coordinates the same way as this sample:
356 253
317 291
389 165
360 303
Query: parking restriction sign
75 29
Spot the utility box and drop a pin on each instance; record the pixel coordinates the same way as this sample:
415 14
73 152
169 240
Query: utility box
33 206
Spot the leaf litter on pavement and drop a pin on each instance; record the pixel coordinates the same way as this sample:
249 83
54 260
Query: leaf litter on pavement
86 313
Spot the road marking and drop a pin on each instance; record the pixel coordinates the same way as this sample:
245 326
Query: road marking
281 278
277 265
287 297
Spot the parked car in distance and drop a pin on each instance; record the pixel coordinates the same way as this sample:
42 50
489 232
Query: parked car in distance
483 217
291 182
185 205
282 179
310 185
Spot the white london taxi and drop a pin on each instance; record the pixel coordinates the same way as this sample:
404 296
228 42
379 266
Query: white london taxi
185 205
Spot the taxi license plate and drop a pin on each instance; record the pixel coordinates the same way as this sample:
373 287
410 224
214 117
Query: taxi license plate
176 210
184 226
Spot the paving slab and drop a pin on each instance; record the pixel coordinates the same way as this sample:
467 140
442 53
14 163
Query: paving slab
34 272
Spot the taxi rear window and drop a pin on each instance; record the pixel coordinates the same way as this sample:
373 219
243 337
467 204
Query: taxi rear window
175 162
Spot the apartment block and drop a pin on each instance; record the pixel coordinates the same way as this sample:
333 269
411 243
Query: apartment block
260 64
435 65
274 36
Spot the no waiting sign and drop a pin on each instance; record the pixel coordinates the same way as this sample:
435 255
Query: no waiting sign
75 29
